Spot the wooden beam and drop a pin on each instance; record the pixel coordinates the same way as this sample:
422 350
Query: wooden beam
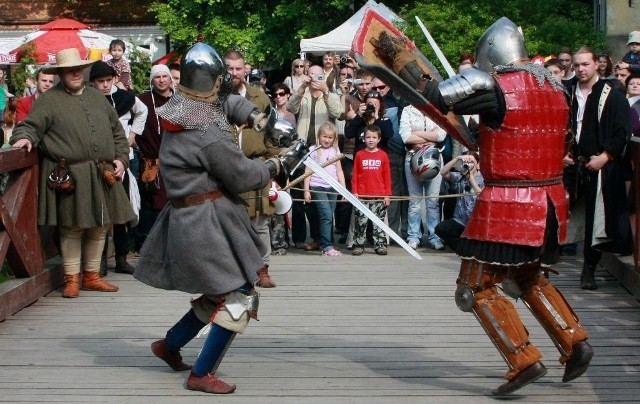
19 293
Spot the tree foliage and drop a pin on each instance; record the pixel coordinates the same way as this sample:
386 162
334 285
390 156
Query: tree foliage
547 25
269 32
140 67
26 68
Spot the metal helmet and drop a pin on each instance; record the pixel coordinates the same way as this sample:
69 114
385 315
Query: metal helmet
501 44
203 74
425 163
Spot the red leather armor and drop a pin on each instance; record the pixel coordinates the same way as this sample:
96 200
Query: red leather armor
524 153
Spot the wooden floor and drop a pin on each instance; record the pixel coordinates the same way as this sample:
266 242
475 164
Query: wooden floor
345 329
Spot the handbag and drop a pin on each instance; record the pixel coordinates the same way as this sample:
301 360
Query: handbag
60 178
150 177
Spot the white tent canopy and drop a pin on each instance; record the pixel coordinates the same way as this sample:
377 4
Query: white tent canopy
339 40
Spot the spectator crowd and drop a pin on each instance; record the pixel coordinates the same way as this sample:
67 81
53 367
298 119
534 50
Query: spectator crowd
406 169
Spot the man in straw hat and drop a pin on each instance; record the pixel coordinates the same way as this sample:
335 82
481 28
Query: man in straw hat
74 126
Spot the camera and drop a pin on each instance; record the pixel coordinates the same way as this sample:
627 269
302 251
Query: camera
371 107
344 59
319 77
467 166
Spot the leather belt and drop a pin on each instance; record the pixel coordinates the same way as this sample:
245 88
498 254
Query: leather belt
198 199
525 183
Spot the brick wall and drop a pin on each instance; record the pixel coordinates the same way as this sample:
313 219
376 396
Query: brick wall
29 14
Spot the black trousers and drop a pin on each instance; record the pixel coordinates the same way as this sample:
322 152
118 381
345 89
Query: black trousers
450 231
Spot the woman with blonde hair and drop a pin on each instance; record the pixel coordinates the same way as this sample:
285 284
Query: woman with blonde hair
297 75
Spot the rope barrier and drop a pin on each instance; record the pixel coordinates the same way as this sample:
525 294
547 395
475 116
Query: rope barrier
374 198
301 178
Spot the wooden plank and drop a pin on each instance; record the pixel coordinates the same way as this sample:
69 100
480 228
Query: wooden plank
347 330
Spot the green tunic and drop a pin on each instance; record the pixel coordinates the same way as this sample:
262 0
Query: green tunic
83 129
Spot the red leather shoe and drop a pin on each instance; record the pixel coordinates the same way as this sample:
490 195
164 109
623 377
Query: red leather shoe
173 359
264 280
209 384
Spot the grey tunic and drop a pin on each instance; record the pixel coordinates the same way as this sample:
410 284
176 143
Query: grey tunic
209 248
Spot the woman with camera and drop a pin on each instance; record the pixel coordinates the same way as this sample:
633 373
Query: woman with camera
371 112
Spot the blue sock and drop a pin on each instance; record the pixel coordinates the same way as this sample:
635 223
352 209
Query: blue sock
212 351
183 331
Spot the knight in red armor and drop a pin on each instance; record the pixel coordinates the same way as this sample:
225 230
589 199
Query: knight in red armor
521 216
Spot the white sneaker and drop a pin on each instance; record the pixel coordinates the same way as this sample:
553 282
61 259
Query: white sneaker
413 244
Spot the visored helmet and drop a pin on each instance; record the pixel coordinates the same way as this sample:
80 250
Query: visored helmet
425 163
501 44
203 76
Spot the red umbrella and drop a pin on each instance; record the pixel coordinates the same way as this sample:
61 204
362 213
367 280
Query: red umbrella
55 36
171 57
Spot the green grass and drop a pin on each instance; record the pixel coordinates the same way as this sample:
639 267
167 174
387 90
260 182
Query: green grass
5 273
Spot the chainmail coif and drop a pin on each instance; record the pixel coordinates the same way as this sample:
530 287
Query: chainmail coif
191 114
539 72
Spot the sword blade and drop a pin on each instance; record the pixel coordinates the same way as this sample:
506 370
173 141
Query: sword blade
317 168
436 49
440 55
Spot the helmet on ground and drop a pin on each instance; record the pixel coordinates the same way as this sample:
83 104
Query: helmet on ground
501 44
203 76
425 163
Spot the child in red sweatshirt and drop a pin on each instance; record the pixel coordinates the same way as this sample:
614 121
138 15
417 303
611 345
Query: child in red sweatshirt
371 183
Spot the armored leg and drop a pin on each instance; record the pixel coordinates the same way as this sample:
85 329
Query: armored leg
557 317
478 294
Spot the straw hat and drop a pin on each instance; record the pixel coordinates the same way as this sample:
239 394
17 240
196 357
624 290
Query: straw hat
66 59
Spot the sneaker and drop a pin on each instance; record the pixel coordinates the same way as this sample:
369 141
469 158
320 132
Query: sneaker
332 252
438 246
279 251
413 244
381 250
357 250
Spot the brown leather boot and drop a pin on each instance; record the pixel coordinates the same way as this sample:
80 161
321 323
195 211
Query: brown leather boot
209 384
264 280
173 359
72 286
93 281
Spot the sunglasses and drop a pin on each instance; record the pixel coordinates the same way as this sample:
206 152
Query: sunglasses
298 66
379 88
280 94
373 94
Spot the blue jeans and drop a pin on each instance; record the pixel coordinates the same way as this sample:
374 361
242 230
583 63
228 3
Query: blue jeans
417 189
325 206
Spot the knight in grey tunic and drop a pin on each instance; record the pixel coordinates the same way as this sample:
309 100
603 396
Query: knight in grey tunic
203 241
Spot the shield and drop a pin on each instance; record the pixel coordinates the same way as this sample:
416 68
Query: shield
373 24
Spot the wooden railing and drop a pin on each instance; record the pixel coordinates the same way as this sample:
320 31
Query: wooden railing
20 241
